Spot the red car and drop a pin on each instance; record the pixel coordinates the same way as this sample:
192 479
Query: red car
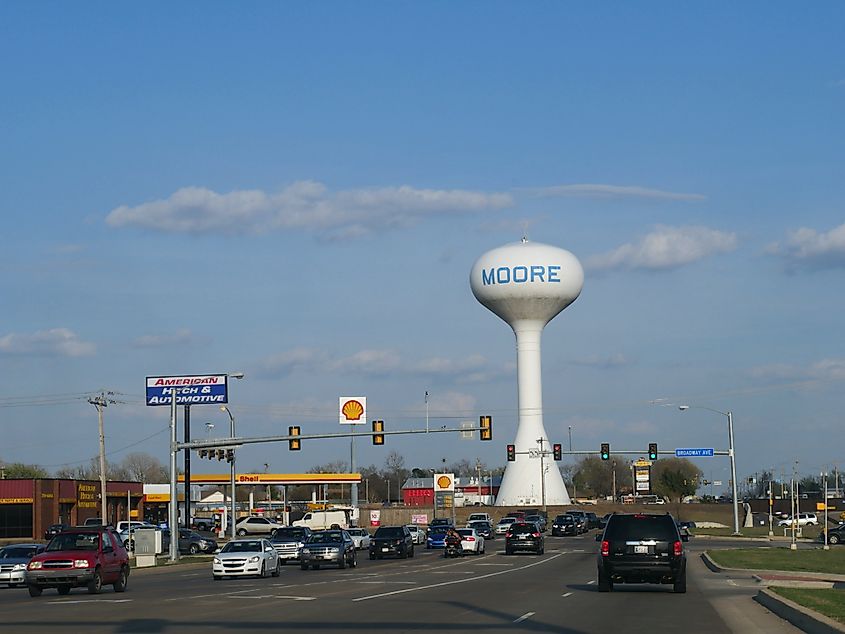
90 557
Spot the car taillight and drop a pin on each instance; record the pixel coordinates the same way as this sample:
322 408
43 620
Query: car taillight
605 548
470 539
677 549
535 534
508 534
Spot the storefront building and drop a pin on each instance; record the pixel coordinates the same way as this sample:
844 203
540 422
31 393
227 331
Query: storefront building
29 506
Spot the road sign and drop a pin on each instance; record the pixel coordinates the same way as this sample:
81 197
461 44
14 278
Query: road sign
694 453
194 389
533 453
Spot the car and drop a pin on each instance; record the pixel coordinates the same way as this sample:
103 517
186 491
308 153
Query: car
436 538
564 525
246 558
471 541
835 535
539 520
328 547
581 519
504 524
360 536
122 526
288 541
482 527
127 538
13 561
440 522
603 520
479 517
417 532
55 529
255 525
391 540
190 542
684 528
641 548
593 520
90 556
802 519
524 536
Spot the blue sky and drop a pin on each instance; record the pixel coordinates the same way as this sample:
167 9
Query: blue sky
299 191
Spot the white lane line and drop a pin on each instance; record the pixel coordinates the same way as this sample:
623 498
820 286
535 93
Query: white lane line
67 602
568 594
505 565
409 583
527 615
591 582
456 581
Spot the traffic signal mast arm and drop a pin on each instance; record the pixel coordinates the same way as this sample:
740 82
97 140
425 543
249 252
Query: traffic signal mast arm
237 442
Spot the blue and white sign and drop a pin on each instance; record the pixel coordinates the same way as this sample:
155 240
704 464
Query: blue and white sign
694 453
194 389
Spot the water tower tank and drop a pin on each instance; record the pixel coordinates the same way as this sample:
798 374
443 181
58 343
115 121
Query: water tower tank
527 284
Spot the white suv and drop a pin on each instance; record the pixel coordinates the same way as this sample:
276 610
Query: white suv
802 519
256 526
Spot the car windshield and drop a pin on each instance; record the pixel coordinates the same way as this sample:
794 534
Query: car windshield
75 541
642 527
326 537
288 534
17 552
523 528
251 546
390 532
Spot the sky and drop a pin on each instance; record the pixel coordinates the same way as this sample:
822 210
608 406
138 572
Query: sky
298 191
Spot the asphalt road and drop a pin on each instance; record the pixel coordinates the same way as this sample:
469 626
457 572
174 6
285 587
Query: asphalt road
555 592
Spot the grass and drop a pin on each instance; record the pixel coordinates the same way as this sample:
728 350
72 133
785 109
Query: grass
809 532
815 560
829 602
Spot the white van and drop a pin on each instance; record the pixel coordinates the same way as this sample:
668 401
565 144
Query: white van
318 520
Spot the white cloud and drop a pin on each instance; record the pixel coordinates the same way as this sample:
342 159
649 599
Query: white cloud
182 337
666 248
823 370
56 342
375 362
592 190
807 248
303 206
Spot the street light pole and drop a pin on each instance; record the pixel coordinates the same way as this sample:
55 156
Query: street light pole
224 408
732 455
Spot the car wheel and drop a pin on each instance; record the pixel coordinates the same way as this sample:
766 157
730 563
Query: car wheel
122 580
372 556
34 591
541 551
508 551
194 549
680 585
605 584
303 566
278 569
263 572
412 552
96 583
63 590
241 532
342 563
354 563
833 539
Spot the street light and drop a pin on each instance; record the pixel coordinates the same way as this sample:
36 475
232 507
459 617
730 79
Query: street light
731 453
224 408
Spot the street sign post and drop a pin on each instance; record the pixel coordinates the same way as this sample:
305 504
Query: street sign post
695 453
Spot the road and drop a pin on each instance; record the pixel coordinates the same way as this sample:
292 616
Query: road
555 592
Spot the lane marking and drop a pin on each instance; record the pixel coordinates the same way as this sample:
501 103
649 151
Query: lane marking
456 581
68 602
524 616
591 582
410 583
508 565
568 594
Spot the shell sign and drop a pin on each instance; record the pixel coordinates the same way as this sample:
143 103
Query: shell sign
444 482
353 410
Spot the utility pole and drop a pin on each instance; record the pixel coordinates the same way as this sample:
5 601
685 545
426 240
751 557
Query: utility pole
542 472
100 402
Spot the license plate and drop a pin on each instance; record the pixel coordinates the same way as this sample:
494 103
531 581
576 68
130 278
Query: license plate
384 550
523 536
641 550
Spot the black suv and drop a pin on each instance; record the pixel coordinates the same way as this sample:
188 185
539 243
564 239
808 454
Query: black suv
524 536
641 548
391 540
564 525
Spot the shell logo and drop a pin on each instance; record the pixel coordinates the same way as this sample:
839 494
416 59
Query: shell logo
352 410
444 482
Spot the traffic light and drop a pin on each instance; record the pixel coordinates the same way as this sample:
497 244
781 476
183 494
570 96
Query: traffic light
605 451
652 451
220 454
294 443
230 455
378 426
202 453
557 451
511 453
486 424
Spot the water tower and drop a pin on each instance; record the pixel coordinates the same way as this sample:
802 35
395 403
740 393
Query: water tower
527 284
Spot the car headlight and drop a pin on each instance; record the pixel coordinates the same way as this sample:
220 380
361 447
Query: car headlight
81 563
217 560
254 559
19 567
34 565
203 543
334 550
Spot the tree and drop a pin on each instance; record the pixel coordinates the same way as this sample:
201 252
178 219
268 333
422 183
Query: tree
21 470
675 478
142 467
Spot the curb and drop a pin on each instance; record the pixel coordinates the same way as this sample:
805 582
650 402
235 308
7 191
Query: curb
803 618
811 578
158 568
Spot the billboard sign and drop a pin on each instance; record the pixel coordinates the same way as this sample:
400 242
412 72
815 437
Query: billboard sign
191 389
352 410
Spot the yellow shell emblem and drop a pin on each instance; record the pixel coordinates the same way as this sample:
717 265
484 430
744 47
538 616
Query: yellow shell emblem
444 482
352 410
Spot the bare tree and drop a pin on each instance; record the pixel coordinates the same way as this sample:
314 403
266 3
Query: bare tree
142 467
